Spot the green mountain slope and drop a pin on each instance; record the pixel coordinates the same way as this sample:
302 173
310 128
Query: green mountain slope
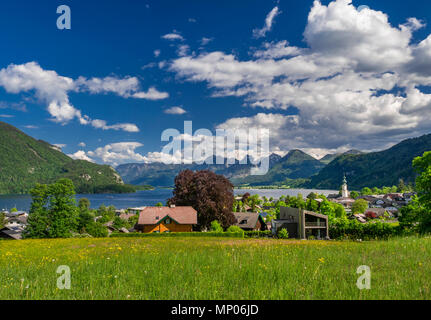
377 169
329 157
296 165
25 161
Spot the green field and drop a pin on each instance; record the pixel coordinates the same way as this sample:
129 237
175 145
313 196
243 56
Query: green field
214 268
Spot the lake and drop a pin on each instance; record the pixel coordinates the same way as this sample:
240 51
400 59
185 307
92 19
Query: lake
145 198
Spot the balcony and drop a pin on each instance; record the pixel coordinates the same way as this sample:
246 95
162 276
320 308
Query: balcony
321 224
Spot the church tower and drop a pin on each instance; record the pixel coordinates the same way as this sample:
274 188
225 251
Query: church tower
344 191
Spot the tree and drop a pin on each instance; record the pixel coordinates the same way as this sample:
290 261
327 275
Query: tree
418 212
53 212
327 208
2 219
312 205
339 210
84 204
245 197
119 223
359 206
354 194
312 196
159 204
254 201
376 190
366 191
401 186
106 213
211 195
85 216
97 230
133 220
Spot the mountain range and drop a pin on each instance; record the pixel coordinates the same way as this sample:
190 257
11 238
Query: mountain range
293 169
298 169
25 161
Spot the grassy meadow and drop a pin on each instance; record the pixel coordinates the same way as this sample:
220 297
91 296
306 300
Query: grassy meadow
214 268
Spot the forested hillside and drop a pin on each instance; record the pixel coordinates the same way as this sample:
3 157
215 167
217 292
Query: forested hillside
25 161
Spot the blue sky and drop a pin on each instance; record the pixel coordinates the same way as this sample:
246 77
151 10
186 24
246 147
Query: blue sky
319 82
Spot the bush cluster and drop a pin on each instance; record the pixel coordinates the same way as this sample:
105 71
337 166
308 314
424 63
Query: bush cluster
353 230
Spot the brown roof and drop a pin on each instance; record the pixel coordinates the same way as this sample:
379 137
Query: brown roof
127 216
181 215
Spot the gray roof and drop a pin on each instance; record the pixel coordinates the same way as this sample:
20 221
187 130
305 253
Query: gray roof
246 220
11 233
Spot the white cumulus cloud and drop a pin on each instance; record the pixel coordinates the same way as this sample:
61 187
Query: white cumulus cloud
359 81
175 110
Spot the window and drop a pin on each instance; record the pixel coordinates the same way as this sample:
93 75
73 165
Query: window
243 221
168 221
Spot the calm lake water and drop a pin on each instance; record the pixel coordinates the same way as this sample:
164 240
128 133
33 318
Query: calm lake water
145 198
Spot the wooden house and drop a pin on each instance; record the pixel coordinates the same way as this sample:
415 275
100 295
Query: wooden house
167 219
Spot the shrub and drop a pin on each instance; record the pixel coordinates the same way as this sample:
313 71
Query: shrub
216 227
283 234
235 229
353 229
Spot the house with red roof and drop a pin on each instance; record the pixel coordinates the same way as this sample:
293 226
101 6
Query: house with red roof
167 219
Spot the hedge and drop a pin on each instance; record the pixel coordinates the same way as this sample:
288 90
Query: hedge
179 234
353 229
258 234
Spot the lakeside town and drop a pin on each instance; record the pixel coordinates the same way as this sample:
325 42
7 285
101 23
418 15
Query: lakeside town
307 219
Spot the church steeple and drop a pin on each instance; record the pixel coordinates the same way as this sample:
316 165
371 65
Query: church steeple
344 191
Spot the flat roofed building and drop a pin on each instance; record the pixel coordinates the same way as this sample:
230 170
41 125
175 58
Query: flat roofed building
302 224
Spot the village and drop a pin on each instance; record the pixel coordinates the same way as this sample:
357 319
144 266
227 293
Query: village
252 213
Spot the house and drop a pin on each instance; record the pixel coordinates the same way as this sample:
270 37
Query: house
10 233
360 217
18 222
373 213
345 202
136 210
301 224
167 219
250 221
16 214
110 226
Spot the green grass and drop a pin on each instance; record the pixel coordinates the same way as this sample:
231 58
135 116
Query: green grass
214 268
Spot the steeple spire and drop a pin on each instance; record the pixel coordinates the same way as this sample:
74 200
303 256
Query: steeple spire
344 191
